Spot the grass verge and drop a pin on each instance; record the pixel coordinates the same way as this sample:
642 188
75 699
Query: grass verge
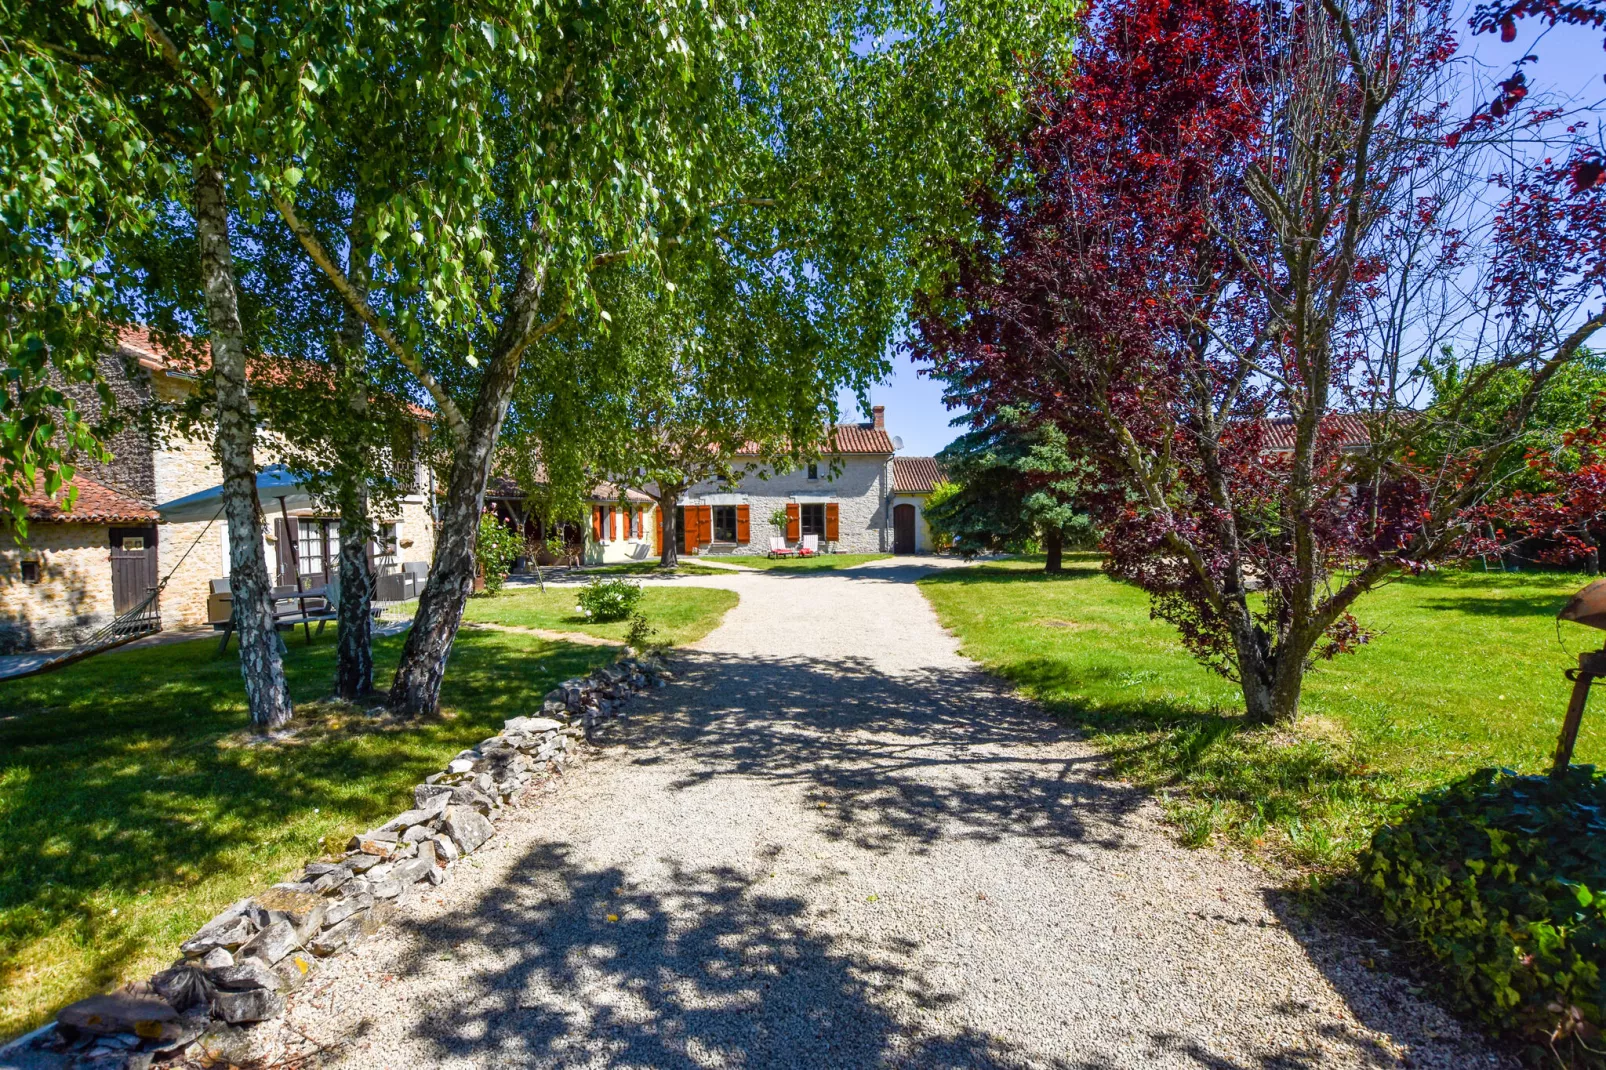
1466 673
680 615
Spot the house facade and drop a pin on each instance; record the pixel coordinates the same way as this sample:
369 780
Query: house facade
846 500
64 583
913 480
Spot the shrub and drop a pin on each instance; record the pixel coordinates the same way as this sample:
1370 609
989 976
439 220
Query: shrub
495 548
1501 879
605 600
641 633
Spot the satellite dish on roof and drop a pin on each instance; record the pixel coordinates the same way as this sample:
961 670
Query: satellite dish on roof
897 442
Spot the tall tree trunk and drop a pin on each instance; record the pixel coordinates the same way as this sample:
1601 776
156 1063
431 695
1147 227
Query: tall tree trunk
416 689
669 551
266 694
1054 545
354 622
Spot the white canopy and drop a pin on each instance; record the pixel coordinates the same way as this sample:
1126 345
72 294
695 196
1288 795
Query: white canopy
273 483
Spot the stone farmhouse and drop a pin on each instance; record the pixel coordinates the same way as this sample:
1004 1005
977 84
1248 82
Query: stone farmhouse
82 567
849 500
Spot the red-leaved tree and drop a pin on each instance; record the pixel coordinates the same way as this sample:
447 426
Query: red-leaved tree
1235 233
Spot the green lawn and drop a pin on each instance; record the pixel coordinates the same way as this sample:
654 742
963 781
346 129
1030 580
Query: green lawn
1467 672
650 568
134 803
804 564
679 614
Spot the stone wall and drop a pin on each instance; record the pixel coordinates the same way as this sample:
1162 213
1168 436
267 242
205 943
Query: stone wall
238 968
861 490
131 470
74 594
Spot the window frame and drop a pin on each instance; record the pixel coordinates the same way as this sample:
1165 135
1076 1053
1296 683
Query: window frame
721 533
813 472
804 511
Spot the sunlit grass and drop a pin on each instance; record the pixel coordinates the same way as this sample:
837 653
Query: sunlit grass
678 614
1466 672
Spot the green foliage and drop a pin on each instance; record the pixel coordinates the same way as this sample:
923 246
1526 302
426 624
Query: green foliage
941 494
778 521
1462 416
608 600
678 614
1016 482
77 183
1501 879
495 547
640 634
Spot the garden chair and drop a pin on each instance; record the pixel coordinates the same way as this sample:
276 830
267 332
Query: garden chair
811 545
778 547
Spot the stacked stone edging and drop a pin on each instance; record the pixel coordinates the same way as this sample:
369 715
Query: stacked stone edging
237 968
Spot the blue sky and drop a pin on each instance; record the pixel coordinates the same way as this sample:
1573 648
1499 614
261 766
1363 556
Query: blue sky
1571 63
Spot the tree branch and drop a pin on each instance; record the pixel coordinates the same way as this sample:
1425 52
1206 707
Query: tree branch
337 278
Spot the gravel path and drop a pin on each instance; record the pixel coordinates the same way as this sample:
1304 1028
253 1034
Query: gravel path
834 843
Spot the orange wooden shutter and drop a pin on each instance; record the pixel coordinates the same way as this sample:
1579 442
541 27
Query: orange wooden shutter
705 523
613 524
830 522
596 523
744 531
792 522
658 530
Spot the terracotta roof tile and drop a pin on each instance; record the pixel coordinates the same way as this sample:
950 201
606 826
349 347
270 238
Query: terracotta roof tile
1347 430
916 475
96 504
859 438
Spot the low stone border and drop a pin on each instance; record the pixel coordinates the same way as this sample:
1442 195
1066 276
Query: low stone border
237 969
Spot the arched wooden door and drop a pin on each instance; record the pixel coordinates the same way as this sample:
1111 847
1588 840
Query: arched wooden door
903 529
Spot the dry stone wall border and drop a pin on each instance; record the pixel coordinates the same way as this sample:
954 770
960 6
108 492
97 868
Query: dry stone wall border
237 969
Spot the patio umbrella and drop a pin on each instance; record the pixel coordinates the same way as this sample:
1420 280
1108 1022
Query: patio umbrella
273 482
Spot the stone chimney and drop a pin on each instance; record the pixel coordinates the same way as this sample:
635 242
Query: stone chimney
878 417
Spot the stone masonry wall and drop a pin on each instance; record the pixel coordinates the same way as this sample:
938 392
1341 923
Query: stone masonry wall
74 594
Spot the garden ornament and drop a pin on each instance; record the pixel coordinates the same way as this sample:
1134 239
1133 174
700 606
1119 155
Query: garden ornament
1586 607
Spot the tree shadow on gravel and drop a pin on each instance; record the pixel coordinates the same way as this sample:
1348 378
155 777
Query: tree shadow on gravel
704 970
892 762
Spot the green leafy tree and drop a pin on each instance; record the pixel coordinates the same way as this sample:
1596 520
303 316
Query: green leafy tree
823 145
77 182
192 84
1016 484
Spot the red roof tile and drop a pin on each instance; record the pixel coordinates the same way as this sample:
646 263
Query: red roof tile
96 504
859 438
916 475
1348 431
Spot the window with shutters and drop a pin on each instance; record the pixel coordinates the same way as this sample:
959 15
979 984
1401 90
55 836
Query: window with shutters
813 518
724 523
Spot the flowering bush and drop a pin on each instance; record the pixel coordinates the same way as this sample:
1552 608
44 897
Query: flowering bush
605 600
495 550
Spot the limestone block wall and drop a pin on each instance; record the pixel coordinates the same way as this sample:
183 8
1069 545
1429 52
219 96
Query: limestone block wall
861 489
74 594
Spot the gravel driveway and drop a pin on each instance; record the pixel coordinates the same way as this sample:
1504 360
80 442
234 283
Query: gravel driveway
833 842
